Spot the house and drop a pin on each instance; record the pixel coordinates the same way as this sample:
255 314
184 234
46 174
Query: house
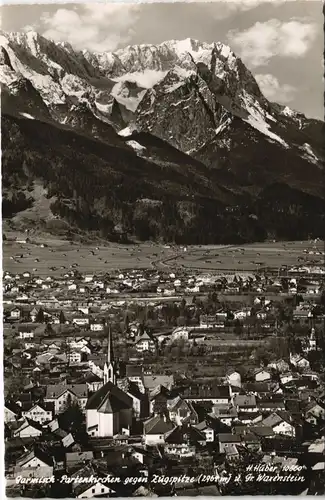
93 381
245 402
35 463
62 395
86 349
299 362
317 446
260 389
96 326
242 314
134 373
15 313
108 411
40 413
29 345
181 411
177 443
225 414
77 343
207 430
261 375
226 439
217 394
302 313
180 333
89 488
234 378
232 451
52 318
281 423
25 332
27 428
262 431
249 417
314 412
145 343
155 428
80 320
271 405
150 382
12 411
286 377
74 357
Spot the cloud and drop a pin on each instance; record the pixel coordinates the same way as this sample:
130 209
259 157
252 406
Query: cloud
259 43
273 90
96 27
146 79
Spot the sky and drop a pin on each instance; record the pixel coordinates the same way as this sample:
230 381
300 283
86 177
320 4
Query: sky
281 41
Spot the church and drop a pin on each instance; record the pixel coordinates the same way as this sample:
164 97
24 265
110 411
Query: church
109 410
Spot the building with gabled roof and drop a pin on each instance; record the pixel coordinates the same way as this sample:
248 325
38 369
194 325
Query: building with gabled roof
155 428
28 428
62 395
281 423
11 411
38 412
90 489
35 463
108 411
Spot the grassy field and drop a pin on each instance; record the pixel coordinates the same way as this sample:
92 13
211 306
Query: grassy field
58 257
251 257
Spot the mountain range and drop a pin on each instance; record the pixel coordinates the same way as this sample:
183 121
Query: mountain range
170 142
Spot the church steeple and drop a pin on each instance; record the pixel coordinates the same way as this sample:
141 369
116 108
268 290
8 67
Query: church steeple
109 367
110 352
312 340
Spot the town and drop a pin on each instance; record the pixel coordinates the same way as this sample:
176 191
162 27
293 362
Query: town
164 382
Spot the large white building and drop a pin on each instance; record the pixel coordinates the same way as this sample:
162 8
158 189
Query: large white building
108 410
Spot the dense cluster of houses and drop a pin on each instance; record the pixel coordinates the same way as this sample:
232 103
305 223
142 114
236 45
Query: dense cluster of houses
74 410
31 288
88 415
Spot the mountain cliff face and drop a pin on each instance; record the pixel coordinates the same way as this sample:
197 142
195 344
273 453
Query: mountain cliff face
184 107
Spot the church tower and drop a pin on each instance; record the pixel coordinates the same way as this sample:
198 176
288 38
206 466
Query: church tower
312 341
109 367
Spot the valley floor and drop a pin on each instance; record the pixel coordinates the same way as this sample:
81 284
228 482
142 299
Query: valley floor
55 257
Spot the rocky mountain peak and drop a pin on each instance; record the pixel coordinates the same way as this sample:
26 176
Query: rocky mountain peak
182 91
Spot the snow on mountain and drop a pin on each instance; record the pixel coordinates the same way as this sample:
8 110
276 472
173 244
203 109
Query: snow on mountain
127 131
257 118
27 115
136 146
309 154
183 91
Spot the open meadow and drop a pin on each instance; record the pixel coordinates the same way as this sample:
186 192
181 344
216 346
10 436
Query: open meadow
251 257
56 257
43 256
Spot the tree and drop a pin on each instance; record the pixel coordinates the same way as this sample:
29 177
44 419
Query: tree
39 316
238 327
49 329
62 318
